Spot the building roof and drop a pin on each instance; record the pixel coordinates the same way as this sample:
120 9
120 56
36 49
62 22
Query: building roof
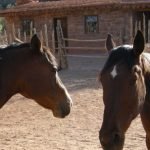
53 6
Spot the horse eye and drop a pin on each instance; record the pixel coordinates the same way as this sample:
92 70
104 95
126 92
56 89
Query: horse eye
132 81
137 69
133 78
54 69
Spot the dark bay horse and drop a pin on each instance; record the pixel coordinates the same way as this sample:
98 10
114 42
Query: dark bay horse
30 70
125 79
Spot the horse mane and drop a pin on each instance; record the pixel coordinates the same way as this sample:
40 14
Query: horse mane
49 56
120 54
14 46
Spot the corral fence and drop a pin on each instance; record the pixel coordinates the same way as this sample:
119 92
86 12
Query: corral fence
63 47
4 38
64 40
60 51
16 37
9 38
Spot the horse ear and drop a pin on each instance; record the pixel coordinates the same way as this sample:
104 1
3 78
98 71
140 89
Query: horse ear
35 43
110 44
139 43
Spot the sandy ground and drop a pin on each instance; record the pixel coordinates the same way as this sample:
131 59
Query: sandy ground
24 125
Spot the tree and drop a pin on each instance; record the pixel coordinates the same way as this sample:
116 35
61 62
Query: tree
3 5
2 25
7 3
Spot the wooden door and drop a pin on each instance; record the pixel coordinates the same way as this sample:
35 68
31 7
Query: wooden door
64 29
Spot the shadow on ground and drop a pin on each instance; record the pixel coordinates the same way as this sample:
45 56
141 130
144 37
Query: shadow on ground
82 72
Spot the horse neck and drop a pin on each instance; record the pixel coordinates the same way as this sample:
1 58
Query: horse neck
146 68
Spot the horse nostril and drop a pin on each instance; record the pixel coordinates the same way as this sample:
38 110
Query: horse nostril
110 139
65 109
116 137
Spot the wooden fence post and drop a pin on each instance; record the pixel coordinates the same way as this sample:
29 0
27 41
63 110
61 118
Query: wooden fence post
19 33
46 35
148 30
10 38
6 37
41 37
53 39
25 36
61 56
34 30
13 31
31 29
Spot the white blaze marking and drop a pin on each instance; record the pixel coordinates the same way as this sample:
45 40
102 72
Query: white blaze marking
114 72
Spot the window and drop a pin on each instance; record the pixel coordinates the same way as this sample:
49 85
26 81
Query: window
91 24
26 25
47 0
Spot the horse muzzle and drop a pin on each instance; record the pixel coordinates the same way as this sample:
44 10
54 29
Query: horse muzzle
63 109
112 141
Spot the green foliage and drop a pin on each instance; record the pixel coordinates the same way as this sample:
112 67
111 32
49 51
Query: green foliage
2 25
6 4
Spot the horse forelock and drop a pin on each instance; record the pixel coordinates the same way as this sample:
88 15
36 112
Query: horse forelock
17 46
122 53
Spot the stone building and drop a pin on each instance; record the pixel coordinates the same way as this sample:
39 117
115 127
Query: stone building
83 19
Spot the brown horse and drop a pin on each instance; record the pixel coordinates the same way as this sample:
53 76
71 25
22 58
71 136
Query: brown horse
31 71
125 79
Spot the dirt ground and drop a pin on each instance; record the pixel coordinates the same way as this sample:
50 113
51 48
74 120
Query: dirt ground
24 125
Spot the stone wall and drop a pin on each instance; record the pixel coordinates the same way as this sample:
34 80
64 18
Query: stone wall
134 1
39 25
47 0
117 23
20 2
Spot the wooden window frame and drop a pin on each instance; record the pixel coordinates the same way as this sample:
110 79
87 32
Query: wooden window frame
26 24
86 26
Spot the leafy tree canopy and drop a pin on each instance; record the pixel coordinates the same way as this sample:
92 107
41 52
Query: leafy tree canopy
7 3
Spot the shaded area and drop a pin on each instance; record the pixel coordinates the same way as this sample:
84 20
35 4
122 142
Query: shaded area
83 71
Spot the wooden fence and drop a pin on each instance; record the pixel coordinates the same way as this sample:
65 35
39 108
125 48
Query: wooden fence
60 52
62 41
8 38
15 36
3 38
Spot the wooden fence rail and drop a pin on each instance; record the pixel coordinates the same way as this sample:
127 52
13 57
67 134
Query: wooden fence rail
17 36
8 38
60 51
